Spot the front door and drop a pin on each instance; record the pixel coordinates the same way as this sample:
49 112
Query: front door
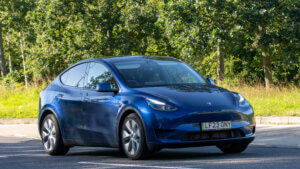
100 108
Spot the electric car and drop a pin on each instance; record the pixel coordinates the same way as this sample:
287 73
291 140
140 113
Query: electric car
141 104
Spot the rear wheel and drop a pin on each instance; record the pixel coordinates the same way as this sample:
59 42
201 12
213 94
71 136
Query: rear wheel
51 137
133 138
233 148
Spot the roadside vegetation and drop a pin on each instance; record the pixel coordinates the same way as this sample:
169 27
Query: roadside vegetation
283 101
228 40
19 102
253 41
277 101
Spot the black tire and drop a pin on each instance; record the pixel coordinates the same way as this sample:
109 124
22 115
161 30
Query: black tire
155 150
53 143
139 151
233 148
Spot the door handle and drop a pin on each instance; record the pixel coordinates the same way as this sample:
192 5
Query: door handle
86 99
59 96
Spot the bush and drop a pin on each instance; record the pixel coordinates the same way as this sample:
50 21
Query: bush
12 79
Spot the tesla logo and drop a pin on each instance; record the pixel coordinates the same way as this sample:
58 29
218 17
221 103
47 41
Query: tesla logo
208 103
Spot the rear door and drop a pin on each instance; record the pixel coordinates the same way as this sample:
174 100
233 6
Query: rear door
70 99
100 108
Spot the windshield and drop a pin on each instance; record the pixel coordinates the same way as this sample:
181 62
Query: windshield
150 73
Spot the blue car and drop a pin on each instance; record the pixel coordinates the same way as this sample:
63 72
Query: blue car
141 104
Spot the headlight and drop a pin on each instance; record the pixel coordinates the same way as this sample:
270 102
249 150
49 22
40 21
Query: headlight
241 100
159 105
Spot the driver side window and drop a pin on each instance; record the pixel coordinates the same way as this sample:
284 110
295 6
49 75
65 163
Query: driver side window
98 73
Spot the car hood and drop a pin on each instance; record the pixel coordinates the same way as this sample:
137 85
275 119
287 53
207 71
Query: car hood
193 97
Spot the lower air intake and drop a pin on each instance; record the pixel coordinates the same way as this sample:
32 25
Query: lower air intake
211 135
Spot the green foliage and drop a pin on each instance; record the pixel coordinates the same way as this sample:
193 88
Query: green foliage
52 35
12 79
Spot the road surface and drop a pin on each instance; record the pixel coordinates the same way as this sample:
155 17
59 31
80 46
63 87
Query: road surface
275 147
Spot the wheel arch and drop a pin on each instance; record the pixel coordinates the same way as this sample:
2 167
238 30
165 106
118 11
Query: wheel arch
44 113
124 114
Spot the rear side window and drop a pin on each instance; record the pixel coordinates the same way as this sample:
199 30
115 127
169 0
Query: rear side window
74 76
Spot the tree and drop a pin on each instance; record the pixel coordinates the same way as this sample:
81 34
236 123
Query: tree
221 20
141 33
2 58
201 28
14 13
225 39
265 23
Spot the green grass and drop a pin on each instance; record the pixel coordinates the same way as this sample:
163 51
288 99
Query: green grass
273 102
23 103
19 103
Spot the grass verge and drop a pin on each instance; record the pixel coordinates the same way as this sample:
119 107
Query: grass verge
19 102
273 102
23 103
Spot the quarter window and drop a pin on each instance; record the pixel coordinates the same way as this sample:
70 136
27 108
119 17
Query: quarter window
74 76
98 73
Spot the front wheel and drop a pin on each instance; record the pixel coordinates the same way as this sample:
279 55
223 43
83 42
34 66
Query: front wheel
133 138
51 137
233 148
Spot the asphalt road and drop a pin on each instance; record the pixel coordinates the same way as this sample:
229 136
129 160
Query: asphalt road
28 153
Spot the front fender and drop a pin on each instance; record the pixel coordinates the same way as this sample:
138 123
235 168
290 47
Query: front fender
145 117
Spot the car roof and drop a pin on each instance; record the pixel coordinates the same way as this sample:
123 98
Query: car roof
137 58
130 58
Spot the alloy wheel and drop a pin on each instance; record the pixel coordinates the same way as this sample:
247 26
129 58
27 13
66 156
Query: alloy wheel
131 136
49 134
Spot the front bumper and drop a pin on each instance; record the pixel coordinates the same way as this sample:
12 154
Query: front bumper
184 138
180 129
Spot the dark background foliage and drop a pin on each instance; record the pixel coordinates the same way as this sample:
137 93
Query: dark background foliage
244 41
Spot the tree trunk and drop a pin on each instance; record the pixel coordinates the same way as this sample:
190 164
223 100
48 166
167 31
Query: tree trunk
220 68
2 59
108 50
10 64
266 59
23 58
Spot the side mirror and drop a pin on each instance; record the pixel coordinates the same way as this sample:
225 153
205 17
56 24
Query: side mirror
210 81
104 87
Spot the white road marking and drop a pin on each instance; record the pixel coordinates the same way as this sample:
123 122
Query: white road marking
3 156
134 165
24 136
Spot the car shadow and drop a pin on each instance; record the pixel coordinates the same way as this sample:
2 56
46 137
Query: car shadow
30 154
34 148
165 154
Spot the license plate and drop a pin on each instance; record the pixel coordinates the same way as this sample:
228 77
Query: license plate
219 125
